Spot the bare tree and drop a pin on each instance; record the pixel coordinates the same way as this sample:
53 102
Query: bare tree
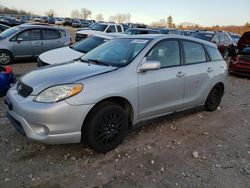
86 13
160 24
170 21
120 18
75 14
99 17
50 13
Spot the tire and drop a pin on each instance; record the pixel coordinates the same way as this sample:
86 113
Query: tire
214 98
106 127
226 54
6 57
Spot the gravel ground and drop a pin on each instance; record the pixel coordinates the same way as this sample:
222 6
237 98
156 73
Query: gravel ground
189 149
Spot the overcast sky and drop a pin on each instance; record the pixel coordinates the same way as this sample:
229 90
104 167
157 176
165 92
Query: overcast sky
212 12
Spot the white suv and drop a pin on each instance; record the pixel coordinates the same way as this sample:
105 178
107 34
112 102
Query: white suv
99 28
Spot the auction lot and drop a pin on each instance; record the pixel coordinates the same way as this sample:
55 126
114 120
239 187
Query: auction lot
160 154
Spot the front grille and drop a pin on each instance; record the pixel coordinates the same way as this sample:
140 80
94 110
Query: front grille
23 89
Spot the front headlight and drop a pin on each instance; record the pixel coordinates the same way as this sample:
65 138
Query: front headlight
58 93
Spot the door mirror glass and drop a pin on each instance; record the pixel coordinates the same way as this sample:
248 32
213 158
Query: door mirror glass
149 65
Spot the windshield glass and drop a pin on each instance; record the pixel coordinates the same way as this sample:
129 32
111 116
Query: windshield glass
99 27
117 52
89 44
9 32
203 36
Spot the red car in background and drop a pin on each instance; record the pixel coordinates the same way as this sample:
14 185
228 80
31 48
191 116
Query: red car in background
240 62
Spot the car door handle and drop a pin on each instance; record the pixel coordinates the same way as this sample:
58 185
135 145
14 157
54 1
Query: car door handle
209 70
180 74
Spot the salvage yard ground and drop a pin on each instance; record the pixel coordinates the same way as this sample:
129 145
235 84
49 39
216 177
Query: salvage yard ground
189 149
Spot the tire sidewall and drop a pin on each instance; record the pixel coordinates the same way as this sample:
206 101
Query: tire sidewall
212 107
9 54
94 121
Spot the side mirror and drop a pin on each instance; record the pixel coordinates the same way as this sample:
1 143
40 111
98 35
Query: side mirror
149 65
19 40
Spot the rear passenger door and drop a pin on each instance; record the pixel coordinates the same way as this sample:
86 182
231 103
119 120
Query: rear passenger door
161 91
51 39
198 73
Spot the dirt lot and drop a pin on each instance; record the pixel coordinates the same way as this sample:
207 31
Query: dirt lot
191 149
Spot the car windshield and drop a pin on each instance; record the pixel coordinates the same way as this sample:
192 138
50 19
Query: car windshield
99 27
203 36
89 44
9 32
117 52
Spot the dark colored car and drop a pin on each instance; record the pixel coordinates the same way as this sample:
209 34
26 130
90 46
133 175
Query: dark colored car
7 78
44 19
141 31
235 37
51 20
3 27
186 32
240 62
11 22
67 22
169 31
221 39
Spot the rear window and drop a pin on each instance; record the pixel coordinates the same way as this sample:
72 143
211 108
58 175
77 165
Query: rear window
89 44
214 54
62 33
203 36
194 53
50 34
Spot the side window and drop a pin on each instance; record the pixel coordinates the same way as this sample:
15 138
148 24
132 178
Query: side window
29 35
62 33
221 37
194 52
214 54
119 28
111 29
215 39
227 39
166 52
50 34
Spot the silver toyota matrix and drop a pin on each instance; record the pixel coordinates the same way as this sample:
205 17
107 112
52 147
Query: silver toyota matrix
99 97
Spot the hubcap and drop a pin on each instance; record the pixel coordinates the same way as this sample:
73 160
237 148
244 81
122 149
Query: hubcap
4 58
109 128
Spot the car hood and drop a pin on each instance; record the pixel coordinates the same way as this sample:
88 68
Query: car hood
244 41
60 55
89 32
65 73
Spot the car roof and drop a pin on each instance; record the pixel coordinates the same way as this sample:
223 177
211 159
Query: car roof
170 36
39 25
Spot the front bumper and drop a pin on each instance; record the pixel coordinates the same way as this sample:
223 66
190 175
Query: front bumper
54 123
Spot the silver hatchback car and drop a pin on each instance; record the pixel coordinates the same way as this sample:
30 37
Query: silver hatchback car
114 87
30 40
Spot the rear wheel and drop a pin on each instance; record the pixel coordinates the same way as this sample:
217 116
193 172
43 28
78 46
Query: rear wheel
106 127
5 57
214 98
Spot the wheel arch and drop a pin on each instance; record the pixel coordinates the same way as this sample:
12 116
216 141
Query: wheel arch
121 101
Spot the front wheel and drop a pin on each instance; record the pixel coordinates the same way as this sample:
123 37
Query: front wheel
106 127
226 54
5 57
214 98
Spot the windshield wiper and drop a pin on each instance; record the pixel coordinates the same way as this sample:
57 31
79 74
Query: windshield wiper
97 62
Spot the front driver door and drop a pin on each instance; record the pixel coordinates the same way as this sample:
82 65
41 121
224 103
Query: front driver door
161 91
27 43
